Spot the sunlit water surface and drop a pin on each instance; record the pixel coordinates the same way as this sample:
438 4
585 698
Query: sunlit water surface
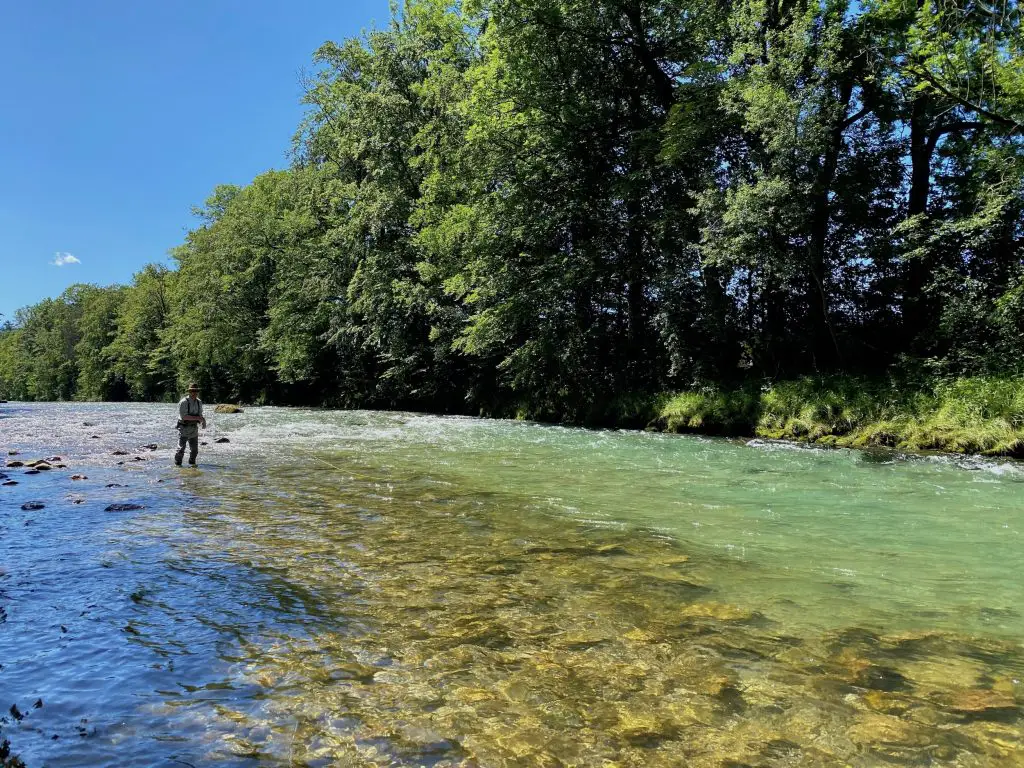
361 588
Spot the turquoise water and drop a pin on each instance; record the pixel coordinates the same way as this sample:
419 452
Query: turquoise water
398 589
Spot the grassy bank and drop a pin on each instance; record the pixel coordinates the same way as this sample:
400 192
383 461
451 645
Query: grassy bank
982 415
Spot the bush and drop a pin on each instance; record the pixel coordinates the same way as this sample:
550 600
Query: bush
968 415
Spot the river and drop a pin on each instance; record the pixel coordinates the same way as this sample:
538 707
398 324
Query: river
370 589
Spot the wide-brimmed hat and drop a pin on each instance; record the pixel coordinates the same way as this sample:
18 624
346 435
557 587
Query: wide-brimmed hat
193 387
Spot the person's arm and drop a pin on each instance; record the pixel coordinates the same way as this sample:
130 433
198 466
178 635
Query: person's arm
184 415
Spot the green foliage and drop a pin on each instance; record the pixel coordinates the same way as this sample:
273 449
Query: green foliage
559 209
966 415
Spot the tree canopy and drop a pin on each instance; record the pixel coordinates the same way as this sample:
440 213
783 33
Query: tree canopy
544 207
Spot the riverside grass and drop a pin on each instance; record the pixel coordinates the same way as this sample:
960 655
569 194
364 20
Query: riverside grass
977 415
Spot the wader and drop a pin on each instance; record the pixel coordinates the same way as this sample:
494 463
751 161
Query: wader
188 434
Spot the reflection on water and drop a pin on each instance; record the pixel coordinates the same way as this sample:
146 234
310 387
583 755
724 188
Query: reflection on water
381 589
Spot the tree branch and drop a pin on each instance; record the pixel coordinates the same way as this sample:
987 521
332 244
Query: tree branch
988 114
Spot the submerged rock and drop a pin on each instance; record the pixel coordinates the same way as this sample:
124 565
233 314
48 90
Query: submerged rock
224 408
717 611
222 440
885 729
119 452
15 464
981 703
79 477
32 506
10 482
124 507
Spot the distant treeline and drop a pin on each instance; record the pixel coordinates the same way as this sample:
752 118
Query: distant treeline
555 207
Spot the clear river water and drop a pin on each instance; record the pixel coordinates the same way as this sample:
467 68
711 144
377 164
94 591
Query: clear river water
393 589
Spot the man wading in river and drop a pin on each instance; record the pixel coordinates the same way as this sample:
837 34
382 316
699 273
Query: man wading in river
190 416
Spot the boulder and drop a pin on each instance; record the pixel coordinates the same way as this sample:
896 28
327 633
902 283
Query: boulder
32 506
14 464
222 440
224 408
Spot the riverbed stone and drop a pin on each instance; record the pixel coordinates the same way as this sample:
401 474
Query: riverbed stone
936 673
227 408
123 507
14 464
981 702
875 729
716 611
32 506
222 440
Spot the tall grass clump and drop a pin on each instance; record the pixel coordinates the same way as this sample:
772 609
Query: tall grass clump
966 415
972 415
711 411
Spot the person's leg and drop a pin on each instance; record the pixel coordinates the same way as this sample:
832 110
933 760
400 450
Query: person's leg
193 449
178 454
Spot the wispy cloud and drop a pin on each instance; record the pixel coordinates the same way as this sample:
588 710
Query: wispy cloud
60 259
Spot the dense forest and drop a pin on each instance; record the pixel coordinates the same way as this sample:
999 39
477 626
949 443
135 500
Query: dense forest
557 208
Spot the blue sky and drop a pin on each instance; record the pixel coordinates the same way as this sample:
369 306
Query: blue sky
117 117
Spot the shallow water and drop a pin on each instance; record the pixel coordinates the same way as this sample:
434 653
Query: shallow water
371 588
